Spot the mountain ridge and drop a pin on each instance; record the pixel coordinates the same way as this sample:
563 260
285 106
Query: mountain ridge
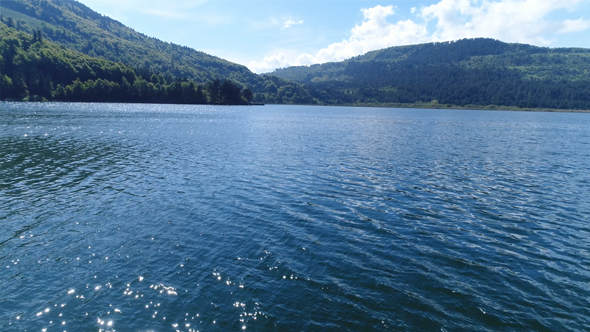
465 72
78 27
75 25
477 71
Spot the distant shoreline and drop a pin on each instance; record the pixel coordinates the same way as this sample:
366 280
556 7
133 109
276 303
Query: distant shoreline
467 107
399 106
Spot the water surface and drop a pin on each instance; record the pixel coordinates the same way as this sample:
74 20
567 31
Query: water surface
119 217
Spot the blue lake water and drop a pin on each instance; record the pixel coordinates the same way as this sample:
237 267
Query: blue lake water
118 217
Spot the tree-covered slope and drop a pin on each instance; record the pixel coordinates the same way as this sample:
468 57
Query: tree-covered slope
465 72
32 68
77 27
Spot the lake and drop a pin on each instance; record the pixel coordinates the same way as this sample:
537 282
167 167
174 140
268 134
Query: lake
127 217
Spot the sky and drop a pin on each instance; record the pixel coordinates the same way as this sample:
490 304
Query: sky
268 34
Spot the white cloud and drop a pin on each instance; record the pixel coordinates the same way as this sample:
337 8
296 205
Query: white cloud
521 21
290 23
568 26
269 63
374 33
524 21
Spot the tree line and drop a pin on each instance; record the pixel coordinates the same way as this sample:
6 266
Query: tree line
452 85
34 69
73 25
466 72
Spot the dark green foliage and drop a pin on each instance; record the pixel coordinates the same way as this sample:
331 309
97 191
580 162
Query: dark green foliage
77 27
33 69
214 89
466 72
121 64
248 94
230 92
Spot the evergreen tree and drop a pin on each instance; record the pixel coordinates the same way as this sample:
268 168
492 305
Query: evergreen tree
214 91
19 86
6 90
248 94
230 93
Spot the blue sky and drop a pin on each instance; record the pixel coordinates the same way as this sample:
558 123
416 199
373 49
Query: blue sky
265 34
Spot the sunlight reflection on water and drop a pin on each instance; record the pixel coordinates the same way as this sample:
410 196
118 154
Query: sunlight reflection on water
139 217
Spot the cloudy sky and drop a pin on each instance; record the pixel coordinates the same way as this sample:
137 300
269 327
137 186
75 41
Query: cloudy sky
269 34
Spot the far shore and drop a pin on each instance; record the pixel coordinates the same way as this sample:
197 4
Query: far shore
373 105
466 107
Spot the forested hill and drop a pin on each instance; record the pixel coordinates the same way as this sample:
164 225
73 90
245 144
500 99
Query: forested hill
468 72
77 27
465 72
34 69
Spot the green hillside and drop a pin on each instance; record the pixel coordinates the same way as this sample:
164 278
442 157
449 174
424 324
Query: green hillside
77 27
33 68
470 72
465 72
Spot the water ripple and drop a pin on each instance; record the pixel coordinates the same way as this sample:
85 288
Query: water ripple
160 217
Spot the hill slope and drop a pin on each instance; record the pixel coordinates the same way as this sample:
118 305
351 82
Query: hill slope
32 68
465 72
77 27
471 71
